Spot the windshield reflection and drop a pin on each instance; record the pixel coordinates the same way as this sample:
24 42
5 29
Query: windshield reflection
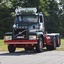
27 18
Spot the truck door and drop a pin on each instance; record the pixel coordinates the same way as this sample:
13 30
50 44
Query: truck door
41 23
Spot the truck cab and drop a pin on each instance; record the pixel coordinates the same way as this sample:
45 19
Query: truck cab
27 24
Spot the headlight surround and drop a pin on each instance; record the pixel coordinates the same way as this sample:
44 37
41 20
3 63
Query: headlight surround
7 37
32 37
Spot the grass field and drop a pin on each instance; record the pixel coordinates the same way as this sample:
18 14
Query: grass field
3 47
61 48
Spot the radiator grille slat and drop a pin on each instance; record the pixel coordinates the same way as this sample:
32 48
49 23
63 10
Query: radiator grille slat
20 34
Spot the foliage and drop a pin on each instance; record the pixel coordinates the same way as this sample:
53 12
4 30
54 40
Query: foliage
5 19
49 8
61 17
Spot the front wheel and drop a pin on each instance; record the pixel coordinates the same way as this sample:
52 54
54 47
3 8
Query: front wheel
39 46
11 48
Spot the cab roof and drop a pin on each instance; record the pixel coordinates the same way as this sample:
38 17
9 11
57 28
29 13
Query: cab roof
27 11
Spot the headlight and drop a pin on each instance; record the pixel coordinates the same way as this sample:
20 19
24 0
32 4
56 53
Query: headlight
32 37
7 37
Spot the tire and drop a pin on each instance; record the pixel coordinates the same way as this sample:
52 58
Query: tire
57 41
27 49
39 46
53 46
11 48
48 47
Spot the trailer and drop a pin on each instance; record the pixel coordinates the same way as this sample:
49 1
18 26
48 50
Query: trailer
29 32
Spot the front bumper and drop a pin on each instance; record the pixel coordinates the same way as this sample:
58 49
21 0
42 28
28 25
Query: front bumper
20 41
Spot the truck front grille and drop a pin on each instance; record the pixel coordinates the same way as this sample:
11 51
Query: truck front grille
20 34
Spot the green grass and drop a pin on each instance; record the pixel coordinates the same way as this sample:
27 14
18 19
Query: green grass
61 48
3 47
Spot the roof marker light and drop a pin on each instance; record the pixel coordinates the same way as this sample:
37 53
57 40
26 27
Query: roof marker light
29 10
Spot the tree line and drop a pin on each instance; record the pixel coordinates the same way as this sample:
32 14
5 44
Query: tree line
53 13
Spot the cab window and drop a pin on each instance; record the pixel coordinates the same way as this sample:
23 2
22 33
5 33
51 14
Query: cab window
41 20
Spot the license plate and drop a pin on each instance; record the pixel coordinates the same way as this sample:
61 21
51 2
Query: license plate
20 36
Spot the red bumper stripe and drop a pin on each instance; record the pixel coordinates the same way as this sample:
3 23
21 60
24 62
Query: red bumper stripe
20 42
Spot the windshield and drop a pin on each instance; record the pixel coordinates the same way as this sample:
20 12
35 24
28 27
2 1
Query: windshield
26 18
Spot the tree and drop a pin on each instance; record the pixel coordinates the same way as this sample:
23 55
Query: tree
52 25
61 17
48 7
5 18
